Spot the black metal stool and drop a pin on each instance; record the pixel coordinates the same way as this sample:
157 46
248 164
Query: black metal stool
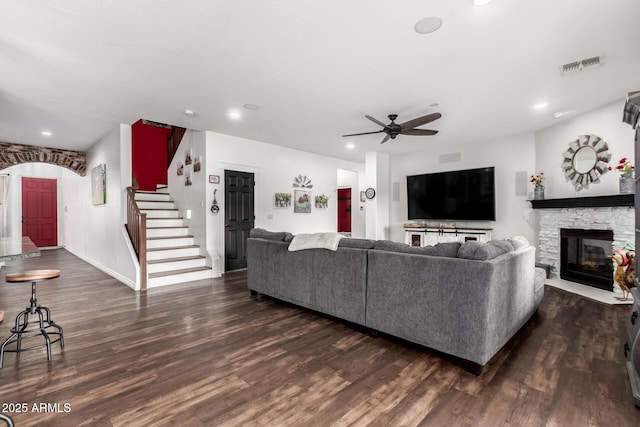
21 329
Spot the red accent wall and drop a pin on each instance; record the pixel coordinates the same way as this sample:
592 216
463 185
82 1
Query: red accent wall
149 155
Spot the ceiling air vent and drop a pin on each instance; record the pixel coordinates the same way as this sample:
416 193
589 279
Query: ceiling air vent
580 65
156 124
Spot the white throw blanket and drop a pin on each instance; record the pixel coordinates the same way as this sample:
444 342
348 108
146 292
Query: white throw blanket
314 241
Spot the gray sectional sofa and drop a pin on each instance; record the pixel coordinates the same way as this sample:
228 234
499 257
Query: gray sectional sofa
466 300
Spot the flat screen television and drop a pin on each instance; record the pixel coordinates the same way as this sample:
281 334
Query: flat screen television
455 195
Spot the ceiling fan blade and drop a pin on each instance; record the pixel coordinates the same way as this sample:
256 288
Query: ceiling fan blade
420 121
418 132
376 121
386 138
363 133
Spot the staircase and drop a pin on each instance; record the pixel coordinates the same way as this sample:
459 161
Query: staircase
171 255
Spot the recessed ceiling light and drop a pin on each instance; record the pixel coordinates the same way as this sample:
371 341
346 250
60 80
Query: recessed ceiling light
481 2
541 106
235 115
559 114
251 106
350 145
46 133
189 113
427 25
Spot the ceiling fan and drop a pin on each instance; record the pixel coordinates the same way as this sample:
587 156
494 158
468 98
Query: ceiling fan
407 128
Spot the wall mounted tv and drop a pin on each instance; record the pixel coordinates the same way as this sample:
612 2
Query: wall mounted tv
456 195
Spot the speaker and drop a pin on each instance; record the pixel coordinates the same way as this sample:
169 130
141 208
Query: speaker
521 183
450 157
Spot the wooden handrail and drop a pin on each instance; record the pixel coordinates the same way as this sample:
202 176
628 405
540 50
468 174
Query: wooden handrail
137 229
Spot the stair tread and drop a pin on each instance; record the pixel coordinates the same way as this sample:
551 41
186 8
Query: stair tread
158 209
186 236
172 248
176 259
178 272
167 228
172 218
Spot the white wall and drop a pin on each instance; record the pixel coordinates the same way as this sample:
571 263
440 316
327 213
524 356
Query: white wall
275 168
193 197
190 197
508 155
96 233
377 209
552 142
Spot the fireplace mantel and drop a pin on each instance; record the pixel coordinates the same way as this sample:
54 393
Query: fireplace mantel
585 202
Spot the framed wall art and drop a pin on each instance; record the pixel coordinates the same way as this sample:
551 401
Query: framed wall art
99 184
283 200
302 201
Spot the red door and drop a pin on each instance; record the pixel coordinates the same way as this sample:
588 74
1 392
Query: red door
344 210
40 211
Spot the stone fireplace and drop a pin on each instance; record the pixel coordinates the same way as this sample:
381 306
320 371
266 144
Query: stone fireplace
575 215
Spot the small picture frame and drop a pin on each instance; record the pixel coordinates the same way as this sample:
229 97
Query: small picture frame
214 179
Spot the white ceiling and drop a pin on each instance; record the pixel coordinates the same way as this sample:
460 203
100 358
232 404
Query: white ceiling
315 68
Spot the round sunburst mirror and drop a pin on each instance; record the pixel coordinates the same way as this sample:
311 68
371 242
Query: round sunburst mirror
585 161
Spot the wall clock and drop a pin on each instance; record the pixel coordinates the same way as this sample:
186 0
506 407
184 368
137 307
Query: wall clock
370 193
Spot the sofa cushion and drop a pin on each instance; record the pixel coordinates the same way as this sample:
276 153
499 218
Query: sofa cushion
351 242
518 242
288 237
389 246
484 251
261 233
449 249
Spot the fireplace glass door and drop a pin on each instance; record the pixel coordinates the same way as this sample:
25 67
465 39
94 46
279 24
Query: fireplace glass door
585 257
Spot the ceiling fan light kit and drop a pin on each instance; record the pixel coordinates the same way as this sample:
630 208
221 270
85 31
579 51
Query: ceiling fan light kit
428 25
393 129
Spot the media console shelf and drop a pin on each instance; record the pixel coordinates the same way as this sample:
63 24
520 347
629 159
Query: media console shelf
425 235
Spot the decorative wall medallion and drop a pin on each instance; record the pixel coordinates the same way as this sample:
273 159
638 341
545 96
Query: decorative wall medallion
302 182
215 208
585 161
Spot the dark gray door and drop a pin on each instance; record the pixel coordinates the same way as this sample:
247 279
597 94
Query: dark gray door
239 217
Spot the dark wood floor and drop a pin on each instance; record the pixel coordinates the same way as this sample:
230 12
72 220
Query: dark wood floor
208 354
